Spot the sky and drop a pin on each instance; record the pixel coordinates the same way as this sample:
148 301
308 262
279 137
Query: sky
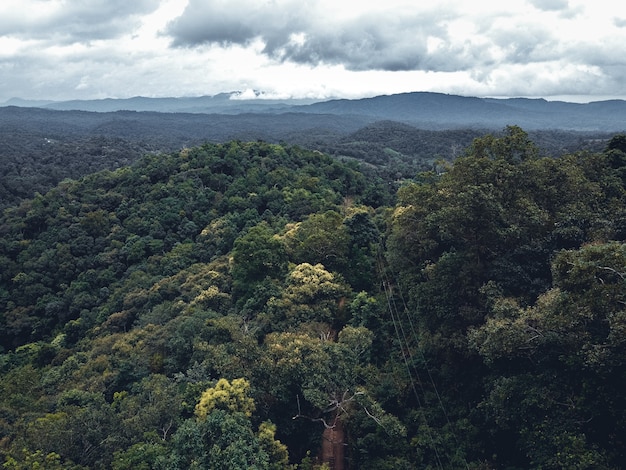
574 50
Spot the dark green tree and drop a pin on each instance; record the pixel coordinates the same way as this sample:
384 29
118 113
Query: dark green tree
257 255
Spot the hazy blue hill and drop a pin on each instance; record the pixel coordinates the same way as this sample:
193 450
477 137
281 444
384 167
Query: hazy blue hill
27 103
426 110
536 104
436 110
228 103
611 109
417 107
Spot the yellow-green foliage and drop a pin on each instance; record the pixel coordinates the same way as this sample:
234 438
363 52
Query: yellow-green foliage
232 396
38 460
276 450
312 294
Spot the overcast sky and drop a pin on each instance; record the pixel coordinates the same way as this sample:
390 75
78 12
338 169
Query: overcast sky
84 49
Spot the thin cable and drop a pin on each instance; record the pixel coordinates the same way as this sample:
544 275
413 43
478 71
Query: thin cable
397 322
430 377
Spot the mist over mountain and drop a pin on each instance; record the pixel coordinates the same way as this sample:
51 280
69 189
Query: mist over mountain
423 109
226 103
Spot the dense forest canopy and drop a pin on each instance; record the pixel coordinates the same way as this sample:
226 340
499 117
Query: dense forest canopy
259 305
39 148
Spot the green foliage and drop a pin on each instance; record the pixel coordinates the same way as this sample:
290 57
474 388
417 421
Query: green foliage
222 441
257 255
277 452
320 239
616 153
140 456
311 295
473 250
231 396
514 146
219 307
38 461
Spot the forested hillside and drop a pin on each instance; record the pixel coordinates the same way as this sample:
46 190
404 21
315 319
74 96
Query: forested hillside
39 148
258 305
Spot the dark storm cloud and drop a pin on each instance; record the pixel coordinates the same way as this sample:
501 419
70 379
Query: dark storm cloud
395 40
300 32
371 43
78 21
226 22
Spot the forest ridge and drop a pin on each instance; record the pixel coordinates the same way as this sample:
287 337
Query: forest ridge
244 304
427 110
41 147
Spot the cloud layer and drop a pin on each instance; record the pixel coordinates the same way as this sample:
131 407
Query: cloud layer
445 37
307 33
548 38
97 48
71 21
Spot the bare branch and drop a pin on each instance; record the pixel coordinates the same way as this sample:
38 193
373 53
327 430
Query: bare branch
310 418
165 429
373 417
333 405
614 271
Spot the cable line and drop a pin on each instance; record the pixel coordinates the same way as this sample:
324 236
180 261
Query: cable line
403 342
402 338
430 377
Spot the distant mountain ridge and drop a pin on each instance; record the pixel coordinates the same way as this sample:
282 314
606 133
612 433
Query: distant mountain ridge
437 110
422 109
223 103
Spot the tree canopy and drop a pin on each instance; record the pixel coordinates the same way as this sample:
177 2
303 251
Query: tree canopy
253 305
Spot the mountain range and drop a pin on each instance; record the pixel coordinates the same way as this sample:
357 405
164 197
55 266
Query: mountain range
422 109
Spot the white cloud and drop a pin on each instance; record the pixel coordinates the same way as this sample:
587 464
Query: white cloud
63 49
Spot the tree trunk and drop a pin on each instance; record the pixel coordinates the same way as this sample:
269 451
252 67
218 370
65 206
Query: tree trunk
333 446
